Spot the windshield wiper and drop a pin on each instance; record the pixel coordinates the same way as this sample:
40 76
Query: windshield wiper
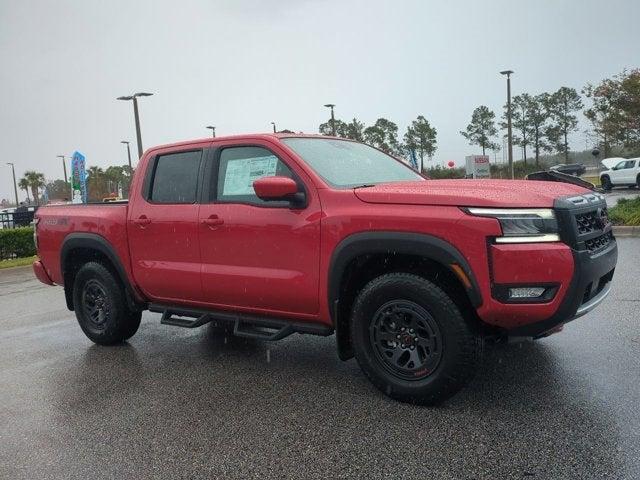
365 185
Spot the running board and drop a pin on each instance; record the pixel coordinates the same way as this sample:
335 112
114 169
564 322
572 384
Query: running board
248 326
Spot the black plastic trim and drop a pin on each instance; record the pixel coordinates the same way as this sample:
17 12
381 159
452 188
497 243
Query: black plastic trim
96 242
422 245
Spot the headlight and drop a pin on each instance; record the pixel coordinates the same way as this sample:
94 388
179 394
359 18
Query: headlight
522 225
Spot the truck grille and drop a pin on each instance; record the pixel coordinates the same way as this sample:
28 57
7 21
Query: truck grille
585 223
596 244
589 221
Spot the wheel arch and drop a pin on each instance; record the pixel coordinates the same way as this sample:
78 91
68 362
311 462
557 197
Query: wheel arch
80 248
436 254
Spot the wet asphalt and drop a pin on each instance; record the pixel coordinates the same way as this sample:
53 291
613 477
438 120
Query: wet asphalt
178 403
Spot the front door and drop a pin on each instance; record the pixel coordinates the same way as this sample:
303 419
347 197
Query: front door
163 228
256 255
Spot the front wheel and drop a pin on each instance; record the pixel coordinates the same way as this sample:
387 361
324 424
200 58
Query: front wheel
411 340
606 183
100 305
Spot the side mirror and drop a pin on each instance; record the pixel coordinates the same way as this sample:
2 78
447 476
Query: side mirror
278 188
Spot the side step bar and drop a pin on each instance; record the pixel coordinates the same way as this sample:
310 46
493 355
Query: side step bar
248 326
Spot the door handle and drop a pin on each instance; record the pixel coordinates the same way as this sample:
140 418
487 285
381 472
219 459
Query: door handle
142 221
213 221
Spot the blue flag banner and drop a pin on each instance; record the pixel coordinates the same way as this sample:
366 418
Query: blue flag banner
78 178
414 160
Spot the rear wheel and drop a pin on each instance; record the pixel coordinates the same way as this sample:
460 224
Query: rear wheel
606 183
100 305
638 181
411 340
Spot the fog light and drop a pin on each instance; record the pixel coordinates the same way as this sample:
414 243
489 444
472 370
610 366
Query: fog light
526 292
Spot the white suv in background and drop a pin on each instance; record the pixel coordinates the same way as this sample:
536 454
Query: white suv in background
625 173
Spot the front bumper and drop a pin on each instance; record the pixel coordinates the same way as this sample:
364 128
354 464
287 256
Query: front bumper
590 285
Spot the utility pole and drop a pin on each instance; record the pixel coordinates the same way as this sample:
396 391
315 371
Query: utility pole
64 169
134 97
15 185
213 131
128 154
509 135
333 118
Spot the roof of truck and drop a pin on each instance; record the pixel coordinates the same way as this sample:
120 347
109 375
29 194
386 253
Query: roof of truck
243 137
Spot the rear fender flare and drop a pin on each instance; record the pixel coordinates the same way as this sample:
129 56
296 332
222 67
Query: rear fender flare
98 243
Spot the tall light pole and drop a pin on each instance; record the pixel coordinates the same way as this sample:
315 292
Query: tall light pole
333 118
213 131
134 97
15 185
274 126
509 135
128 154
64 168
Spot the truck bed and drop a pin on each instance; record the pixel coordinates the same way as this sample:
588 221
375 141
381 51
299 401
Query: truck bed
56 222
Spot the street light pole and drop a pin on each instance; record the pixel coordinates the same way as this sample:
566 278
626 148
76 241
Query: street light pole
134 97
64 169
213 130
15 185
274 126
333 118
509 135
128 154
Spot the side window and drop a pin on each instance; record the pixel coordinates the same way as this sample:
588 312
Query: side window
239 167
620 165
175 178
630 164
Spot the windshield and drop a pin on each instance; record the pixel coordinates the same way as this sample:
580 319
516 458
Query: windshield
343 163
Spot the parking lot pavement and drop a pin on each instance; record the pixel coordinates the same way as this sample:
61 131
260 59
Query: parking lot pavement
178 403
616 194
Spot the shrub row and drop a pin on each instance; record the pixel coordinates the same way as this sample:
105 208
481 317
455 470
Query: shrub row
16 242
626 212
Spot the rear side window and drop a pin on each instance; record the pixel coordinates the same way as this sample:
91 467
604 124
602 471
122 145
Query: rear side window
240 167
175 178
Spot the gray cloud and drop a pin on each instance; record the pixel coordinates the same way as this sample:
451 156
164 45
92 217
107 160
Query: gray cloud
242 64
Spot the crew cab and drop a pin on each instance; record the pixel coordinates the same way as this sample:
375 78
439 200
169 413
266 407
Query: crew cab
625 173
268 235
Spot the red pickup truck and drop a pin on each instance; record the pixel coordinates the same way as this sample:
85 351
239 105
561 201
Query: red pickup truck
270 235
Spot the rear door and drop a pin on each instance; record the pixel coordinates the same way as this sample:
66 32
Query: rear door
627 174
256 255
163 227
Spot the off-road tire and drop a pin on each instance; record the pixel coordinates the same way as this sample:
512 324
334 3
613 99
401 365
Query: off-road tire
101 307
460 347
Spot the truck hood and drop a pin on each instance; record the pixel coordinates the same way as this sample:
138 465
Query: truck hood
470 193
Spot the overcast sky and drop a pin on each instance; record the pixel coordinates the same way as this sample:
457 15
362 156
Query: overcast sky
241 64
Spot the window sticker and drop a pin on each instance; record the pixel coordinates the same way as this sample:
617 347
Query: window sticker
241 173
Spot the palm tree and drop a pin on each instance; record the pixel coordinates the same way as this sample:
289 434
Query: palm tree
95 176
24 185
35 181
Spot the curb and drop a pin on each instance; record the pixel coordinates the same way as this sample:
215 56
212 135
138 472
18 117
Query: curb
625 231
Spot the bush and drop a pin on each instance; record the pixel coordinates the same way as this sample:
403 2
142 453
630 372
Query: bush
626 212
16 242
439 173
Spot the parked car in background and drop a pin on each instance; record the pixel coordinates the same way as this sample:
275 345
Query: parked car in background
576 169
625 173
609 163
